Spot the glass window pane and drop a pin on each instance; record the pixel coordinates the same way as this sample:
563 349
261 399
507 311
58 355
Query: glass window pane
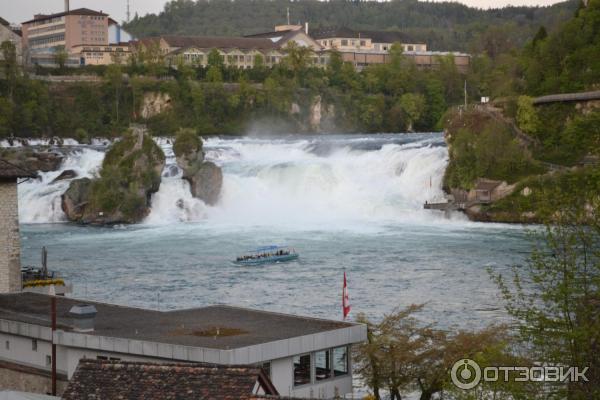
266 367
340 361
322 365
301 370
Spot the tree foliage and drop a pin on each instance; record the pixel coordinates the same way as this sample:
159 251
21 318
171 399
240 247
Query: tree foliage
555 297
446 26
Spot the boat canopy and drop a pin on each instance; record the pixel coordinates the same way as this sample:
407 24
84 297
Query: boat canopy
267 248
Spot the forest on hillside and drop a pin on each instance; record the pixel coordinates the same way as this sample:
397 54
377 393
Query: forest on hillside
443 26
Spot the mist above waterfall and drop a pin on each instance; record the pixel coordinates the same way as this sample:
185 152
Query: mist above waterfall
291 181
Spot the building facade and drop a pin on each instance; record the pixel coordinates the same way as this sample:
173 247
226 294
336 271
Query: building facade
194 50
10 34
348 40
10 264
45 34
423 59
118 53
304 357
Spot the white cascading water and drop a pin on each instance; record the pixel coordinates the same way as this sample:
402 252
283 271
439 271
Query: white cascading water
280 182
39 199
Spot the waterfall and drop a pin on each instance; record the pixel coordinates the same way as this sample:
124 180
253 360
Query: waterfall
280 181
39 199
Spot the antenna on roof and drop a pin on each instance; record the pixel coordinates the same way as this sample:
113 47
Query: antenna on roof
288 15
128 12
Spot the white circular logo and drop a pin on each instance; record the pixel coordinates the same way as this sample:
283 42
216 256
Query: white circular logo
465 374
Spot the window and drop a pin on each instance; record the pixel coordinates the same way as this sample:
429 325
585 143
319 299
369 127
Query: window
34 344
411 48
301 370
103 358
48 361
363 43
340 361
7 345
344 42
322 365
266 367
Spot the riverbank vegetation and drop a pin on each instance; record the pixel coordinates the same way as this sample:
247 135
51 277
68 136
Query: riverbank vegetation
553 301
549 152
220 100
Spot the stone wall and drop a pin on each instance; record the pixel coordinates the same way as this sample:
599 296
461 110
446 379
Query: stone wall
10 265
23 379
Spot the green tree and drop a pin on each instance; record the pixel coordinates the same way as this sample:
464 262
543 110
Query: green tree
214 74
60 57
11 69
412 105
215 59
527 116
297 60
114 79
555 297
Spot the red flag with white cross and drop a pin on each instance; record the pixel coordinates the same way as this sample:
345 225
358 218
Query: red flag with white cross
345 298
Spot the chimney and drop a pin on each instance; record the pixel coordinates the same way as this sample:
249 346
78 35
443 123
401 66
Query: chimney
67 6
83 317
306 28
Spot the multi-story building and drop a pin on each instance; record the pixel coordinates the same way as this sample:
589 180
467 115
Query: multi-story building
116 52
45 34
10 34
235 51
348 40
363 48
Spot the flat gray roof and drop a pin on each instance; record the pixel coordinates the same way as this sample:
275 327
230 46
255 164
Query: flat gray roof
196 327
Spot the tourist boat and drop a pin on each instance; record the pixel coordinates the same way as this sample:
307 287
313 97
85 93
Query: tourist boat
267 254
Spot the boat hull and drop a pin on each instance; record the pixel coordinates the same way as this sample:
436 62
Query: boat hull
268 260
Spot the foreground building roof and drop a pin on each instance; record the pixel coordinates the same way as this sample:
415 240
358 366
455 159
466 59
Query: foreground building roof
95 379
228 335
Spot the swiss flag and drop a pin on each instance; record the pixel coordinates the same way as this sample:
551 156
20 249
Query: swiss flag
345 299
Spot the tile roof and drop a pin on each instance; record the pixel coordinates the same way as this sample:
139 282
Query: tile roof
237 327
96 379
11 171
78 11
211 42
487 184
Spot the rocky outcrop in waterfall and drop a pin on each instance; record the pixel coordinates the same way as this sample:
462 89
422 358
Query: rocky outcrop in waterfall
205 178
42 160
129 176
75 199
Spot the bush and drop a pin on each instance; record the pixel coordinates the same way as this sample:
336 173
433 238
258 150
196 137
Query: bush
186 141
481 147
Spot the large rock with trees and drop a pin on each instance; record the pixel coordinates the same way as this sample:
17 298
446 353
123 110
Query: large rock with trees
122 193
205 178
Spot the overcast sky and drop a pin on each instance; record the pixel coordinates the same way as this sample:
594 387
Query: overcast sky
17 11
